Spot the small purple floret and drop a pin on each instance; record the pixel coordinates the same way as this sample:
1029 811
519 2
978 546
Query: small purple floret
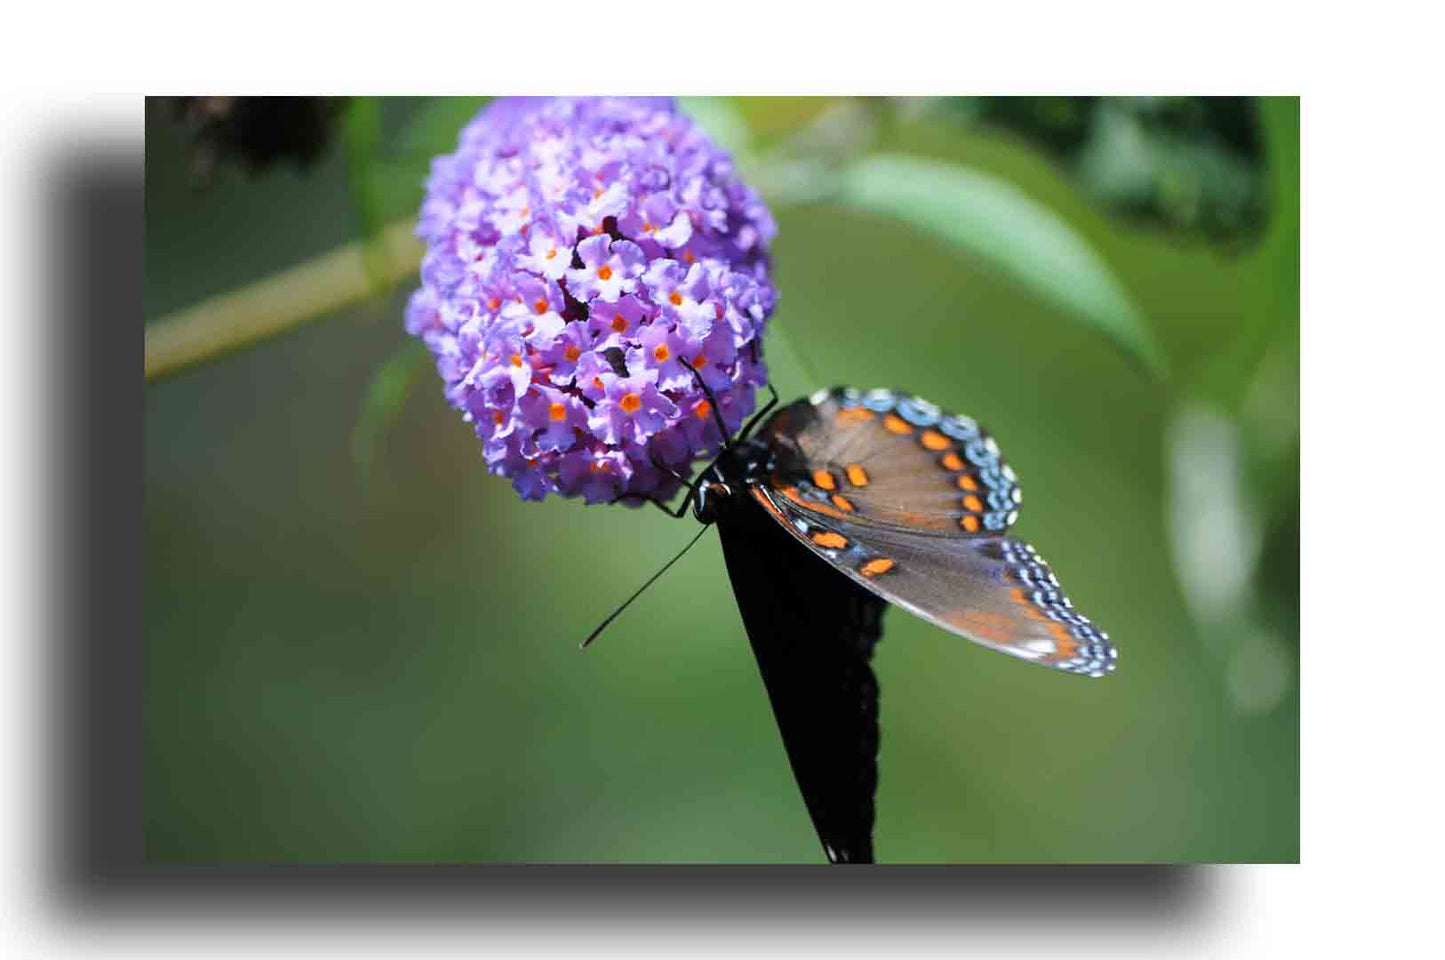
579 251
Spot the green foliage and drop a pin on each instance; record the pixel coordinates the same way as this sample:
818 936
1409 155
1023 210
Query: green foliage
388 670
381 404
1189 166
434 127
990 219
368 177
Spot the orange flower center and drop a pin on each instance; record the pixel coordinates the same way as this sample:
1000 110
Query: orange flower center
494 304
551 253
619 323
597 382
630 402
703 410
604 272
516 360
662 353
676 298
540 306
557 412
572 352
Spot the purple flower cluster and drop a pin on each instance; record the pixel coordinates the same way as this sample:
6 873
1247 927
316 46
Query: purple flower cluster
579 251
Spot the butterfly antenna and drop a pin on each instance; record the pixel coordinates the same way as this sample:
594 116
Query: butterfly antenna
650 581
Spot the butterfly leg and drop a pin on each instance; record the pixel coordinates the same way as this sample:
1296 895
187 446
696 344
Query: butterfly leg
712 401
675 514
685 481
767 408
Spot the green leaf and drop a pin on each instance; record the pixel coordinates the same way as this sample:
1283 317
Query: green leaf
437 125
388 389
991 219
724 124
433 129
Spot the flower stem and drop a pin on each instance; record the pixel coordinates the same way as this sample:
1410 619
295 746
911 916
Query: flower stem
279 302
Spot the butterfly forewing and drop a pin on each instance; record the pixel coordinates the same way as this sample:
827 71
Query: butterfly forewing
910 503
883 458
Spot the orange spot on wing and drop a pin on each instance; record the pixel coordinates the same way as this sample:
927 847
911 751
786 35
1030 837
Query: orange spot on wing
1065 646
855 415
896 424
875 567
824 479
967 482
969 522
791 493
951 461
831 540
973 503
934 440
842 503
985 626
857 475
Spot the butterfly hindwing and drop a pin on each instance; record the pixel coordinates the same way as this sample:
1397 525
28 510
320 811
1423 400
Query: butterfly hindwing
813 632
911 504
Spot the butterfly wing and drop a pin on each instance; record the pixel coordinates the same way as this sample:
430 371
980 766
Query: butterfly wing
812 631
893 460
912 504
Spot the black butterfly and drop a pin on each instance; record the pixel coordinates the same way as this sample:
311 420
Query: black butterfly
847 501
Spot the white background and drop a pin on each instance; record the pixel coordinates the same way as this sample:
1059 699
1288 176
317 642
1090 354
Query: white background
1371 308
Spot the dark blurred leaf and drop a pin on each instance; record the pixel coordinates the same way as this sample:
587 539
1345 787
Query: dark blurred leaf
991 219
1192 166
1227 374
257 131
388 389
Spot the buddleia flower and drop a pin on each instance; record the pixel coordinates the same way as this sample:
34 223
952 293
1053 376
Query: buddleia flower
581 255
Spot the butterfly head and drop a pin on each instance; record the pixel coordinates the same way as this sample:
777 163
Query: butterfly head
735 468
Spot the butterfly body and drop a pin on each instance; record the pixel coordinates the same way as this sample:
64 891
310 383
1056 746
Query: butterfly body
846 502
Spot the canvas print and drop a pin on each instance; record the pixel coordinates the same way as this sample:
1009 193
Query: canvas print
641 480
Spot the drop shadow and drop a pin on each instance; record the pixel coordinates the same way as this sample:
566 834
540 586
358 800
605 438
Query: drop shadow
95 863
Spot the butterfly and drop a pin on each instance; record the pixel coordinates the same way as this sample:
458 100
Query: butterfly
845 502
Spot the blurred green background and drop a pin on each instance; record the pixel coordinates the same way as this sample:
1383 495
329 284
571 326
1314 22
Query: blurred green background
359 646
